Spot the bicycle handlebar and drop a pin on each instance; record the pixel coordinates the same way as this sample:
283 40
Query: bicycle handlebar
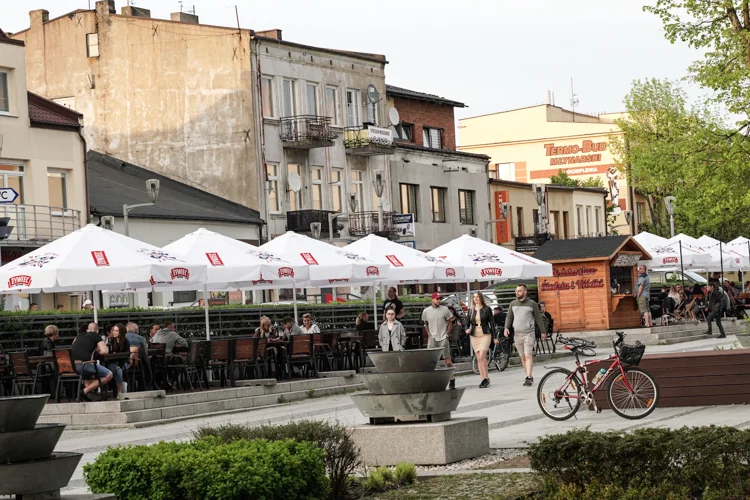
575 342
620 339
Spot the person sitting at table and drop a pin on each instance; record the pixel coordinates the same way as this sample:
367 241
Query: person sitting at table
307 324
363 322
138 349
290 327
265 330
84 345
168 336
152 330
47 344
118 343
392 336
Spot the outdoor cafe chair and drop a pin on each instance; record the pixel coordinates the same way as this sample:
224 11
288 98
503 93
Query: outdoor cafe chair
193 367
370 342
266 355
137 370
301 352
245 357
23 378
220 361
66 374
324 345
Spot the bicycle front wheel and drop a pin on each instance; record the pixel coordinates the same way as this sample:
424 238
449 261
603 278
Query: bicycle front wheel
639 403
502 356
558 395
474 364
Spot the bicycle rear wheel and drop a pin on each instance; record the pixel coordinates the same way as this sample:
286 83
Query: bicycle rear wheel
553 394
502 355
474 365
639 403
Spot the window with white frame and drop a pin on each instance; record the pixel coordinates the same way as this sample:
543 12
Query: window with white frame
332 105
432 137
466 207
503 171
597 220
352 108
579 219
317 187
272 174
358 189
295 199
92 45
4 91
588 221
410 200
312 99
288 104
337 189
267 90
437 195
57 183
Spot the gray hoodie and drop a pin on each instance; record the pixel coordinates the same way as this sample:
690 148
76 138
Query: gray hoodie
524 317
170 338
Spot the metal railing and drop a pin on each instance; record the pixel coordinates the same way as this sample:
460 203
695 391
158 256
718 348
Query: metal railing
299 220
364 223
307 129
367 135
40 223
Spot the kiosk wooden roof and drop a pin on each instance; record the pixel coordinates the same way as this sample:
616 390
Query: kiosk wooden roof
588 249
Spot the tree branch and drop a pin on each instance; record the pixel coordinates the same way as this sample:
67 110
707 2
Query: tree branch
746 13
732 13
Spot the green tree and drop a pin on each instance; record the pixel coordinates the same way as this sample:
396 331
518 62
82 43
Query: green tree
563 179
592 182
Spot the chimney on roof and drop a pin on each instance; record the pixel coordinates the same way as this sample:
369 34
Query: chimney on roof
106 7
38 17
274 33
133 11
185 17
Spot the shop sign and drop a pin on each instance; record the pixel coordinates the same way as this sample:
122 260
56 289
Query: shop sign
591 152
404 224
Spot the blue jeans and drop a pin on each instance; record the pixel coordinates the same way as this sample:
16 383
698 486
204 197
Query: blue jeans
92 368
117 370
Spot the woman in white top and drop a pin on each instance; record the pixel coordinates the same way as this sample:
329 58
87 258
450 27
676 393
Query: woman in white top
307 324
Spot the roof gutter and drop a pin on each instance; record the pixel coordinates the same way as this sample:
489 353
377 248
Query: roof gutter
85 174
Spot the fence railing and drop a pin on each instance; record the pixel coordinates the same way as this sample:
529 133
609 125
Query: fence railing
40 223
364 223
306 129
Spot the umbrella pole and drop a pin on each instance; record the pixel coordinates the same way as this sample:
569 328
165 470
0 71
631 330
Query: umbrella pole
721 259
682 268
468 295
374 305
96 305
205 308
294 294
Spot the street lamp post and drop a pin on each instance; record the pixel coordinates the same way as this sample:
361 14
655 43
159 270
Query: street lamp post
152 188
669 202
379 185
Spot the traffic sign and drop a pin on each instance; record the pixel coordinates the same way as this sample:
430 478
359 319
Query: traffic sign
8 195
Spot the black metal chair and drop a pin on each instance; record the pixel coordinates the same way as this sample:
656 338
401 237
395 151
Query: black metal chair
23 377
245 357
301 352
324 345
191 368
66 374
220 361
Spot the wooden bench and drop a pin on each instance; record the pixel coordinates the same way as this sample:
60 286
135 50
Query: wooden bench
698 378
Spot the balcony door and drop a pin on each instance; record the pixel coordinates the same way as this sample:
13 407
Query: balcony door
13 177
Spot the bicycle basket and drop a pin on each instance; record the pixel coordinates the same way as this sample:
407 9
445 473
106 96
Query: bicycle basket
632 354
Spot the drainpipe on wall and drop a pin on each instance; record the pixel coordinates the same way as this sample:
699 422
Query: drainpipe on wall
86 206
261 150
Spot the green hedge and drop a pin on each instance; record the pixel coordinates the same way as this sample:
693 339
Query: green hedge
698 462
341 454
208 469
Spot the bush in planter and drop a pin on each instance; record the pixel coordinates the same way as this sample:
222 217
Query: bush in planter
707 462
211 470
341 454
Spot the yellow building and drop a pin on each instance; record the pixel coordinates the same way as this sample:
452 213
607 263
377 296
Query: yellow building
532 144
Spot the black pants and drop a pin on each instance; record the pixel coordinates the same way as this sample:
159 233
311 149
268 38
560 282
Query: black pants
715 314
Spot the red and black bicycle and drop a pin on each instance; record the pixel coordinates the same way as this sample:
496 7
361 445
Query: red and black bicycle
633 392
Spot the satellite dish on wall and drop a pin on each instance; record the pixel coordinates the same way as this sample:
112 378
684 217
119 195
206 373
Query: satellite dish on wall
372 94
294 181
394 117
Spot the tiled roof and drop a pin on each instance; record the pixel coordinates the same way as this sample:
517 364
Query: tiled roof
583 248
43 112
421 96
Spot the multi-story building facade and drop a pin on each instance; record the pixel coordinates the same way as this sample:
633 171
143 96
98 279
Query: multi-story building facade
42 158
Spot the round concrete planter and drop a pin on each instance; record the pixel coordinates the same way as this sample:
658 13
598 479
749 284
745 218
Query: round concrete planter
407 383
416 360
29 444
42 475
398 405
21 412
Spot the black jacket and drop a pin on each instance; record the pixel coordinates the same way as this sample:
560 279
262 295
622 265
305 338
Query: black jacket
714 300
487 319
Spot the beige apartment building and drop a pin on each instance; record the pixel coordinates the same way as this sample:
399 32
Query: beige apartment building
532 144
42 158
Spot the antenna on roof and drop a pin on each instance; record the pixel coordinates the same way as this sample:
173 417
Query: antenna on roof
180 2
573 99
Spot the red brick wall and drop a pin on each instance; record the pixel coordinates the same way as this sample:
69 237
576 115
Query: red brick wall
424 114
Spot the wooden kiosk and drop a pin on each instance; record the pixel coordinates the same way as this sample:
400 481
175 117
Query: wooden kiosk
592 284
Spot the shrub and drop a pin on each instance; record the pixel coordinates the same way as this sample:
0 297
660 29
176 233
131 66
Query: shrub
341 454
387 474
406 473
375 481
704 462
599 491
211 470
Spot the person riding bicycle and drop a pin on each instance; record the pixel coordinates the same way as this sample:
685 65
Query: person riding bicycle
524 317
481 329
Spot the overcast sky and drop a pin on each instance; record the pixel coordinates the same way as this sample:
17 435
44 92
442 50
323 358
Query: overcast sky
491 55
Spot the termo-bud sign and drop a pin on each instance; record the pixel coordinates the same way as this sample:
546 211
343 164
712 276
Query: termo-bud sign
591 152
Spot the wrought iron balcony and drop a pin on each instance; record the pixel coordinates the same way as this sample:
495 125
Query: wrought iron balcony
40 224
368 140
299 220
307 132
363 223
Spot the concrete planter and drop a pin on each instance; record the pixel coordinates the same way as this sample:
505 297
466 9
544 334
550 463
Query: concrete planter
395 405
29 444
38 476
407 383
422 360
21 412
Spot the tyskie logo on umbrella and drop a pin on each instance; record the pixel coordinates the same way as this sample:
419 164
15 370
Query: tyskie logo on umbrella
214 259
450 273
263 255
309 259
372 271
180 273
100 258
157 254
37 260
492 271
22 280
394 261
670 260
261 282
483 258
286 272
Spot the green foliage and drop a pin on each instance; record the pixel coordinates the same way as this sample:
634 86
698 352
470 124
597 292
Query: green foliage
211 470
406 473
375 481
563 179
341 454
592 182
311 392
702 462
598 491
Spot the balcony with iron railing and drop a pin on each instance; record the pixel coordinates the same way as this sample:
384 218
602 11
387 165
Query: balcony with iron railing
299 220
363 223
307 132
368 140
39 224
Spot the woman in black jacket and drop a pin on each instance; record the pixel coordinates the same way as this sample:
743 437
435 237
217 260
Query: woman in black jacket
481 329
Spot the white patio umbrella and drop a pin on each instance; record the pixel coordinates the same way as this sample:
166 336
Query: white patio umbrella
741 240
408 265
669 255
722 259
95 259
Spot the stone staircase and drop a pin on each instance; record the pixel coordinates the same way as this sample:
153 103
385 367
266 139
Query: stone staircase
660 335
143 409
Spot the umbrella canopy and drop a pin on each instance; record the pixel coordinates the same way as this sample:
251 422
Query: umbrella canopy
739 241
708 241
722 257
408 265
328 265
233 264
484 261
93 258
667 255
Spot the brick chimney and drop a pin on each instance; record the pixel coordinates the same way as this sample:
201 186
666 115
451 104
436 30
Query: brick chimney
133 11
105 7
38 17
274 33
184 17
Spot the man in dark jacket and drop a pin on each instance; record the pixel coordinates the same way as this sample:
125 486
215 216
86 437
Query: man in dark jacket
715 297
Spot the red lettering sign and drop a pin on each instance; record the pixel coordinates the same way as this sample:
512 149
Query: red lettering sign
308 257
340 280
670 260
214 259
261 281
502 228
180 272
100 258
286 272
492 271
571 271
571 285
394 261
450 273
22 280
372 271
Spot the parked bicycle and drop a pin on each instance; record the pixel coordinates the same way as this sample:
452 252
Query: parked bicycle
498 356
632 394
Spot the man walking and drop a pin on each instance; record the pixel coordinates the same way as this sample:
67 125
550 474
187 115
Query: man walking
642 295
439 321
715 299
395 302
525 318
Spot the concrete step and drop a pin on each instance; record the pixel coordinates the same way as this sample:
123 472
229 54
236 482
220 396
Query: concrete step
680 340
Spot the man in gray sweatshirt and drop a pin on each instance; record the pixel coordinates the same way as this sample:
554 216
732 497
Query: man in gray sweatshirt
168 335
524 317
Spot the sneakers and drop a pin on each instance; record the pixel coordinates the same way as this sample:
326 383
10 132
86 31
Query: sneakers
529 381
707 332
452 384
84 397
722 336
485 383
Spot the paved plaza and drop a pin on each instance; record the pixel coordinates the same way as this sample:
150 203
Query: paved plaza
514 417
